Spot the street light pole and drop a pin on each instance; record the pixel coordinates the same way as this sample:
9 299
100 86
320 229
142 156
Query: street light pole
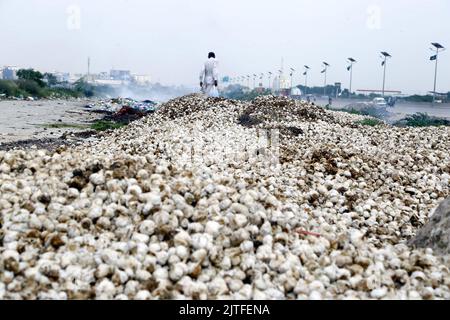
352 61
270 80
438 48
351 79
292 78
325 78
384 75
384 63
279 79
385 57
306 79
435 76
292 75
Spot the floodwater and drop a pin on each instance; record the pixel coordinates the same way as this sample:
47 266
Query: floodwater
400 110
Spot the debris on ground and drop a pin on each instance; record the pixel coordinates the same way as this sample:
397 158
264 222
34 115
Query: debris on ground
123 111
188 203
114 105
50 144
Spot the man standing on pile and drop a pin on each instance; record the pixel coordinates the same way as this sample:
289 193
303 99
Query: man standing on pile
209 76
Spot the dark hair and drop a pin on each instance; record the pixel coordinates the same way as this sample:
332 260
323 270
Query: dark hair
211 55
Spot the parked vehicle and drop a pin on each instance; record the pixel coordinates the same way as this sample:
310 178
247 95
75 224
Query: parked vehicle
379 102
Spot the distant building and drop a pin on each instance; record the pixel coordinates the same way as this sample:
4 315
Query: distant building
440 97
296 93
61 76
285 83
9 73
369 92
108 82
337 89
75 77
282 85
142 80
122 75
260 89
103 76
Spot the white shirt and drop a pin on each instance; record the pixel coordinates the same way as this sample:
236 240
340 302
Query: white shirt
210 72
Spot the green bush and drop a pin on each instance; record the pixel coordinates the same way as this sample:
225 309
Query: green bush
419 98
369 122
9 88
103 125
422 120
31 87
64 93
62 125
33 75
50 78
84 88
25 88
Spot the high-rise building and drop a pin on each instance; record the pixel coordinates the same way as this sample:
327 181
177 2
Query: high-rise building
10 73
122 75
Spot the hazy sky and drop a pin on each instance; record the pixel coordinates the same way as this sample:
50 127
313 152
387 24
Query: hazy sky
170 39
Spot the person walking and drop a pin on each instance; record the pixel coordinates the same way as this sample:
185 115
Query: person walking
209 76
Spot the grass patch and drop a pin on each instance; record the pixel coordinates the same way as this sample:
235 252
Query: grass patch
422 120
352 111
103 125
369 122
367 111
62 125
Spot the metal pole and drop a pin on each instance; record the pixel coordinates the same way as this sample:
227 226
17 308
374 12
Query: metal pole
435 76
325 83
279 80
351 78
306 83
384 74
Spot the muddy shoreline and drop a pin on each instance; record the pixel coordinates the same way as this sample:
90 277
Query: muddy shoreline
42 120
50 124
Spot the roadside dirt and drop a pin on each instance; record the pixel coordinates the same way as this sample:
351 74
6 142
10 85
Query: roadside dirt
43 120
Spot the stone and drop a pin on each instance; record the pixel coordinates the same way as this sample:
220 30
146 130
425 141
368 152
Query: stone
436 233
